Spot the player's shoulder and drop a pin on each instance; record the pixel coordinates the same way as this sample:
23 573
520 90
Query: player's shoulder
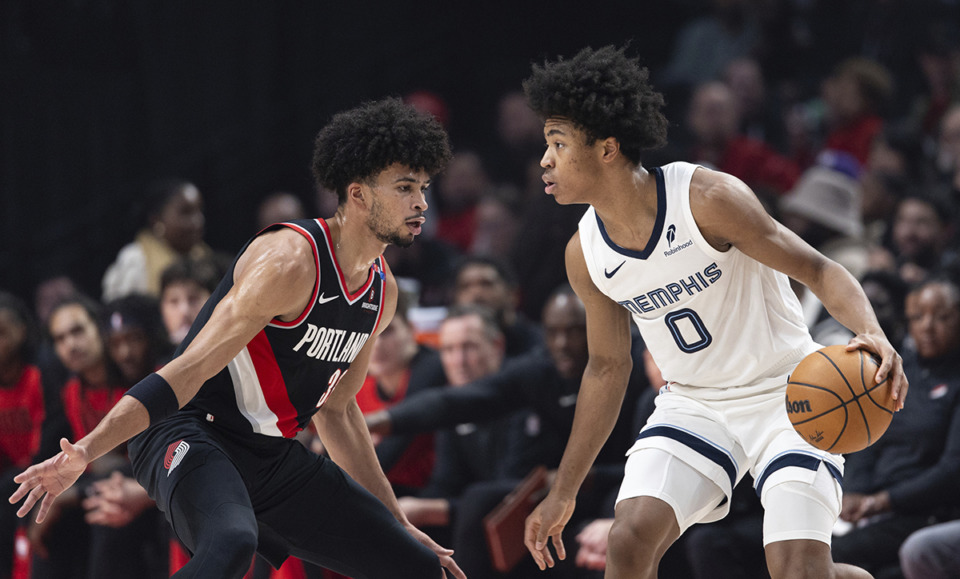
713 190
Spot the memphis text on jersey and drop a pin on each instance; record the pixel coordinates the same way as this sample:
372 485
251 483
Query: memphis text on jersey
331 344
670 294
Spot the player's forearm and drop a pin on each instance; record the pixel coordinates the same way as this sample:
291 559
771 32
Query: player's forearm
127 419
598 407
346 438
841 294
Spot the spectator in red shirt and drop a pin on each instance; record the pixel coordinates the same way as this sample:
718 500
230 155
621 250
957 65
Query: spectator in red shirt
714 122
21 410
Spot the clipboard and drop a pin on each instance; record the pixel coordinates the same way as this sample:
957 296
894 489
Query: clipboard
504 525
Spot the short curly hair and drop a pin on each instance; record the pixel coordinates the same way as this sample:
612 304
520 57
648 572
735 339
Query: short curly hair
605 94
359 143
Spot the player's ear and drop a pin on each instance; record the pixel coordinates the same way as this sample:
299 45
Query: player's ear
355 193
611 149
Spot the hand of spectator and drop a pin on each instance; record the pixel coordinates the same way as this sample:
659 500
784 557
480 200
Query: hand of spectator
39 531
429 512
851 506
49 479
116 501
592 553
378 423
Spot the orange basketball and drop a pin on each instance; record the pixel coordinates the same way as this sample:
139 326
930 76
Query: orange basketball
834 403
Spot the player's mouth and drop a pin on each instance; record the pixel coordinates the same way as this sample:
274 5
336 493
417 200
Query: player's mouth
415 225
550 185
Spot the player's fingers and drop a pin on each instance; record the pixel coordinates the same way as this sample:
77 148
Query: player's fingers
558 545
450 565
32 498
45 507
26 485
530 540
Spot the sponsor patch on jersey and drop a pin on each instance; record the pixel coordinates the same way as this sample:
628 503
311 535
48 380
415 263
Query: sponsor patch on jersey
175 453
370 306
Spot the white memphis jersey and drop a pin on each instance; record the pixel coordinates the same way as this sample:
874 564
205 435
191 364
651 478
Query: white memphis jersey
709 318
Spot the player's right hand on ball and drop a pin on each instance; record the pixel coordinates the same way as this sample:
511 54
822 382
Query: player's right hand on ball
49 478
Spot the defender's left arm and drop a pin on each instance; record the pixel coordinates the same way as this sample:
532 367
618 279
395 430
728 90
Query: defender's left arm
344 433
729 215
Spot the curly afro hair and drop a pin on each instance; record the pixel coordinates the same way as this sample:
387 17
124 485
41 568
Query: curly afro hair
359 143
605 94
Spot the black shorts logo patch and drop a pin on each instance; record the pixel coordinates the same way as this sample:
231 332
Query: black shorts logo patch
175 454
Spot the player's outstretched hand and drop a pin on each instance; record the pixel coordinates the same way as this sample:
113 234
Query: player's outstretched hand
49 478
547 521
891 364
445 555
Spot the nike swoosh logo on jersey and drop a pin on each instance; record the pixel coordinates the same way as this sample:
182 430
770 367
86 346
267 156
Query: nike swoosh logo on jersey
610 274
323 300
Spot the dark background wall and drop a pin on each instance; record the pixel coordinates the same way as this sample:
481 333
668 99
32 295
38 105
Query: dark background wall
100 96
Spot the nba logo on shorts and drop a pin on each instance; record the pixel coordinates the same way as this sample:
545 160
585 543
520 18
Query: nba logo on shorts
175 454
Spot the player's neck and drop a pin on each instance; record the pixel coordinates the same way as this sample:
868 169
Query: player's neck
627 205
355 247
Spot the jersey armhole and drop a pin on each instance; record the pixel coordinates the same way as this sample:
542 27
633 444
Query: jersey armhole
316 283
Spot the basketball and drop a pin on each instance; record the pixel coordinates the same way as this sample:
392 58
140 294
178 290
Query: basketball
834 402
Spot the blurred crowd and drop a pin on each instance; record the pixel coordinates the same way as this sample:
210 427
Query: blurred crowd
474 384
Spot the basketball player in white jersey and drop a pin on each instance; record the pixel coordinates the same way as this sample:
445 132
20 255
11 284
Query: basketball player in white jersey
690 255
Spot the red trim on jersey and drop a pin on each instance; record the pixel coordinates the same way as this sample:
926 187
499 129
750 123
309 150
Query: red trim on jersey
316 285
351 297
272 385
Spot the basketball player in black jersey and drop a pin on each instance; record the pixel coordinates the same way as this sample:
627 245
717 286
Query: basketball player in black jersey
286 337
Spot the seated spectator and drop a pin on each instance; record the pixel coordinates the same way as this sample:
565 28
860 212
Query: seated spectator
184 288
932 552
471 347
714 119
279 207
65 545
21 411
921 234
459 188
907 479
824 210
545 381
759 110
491 283
174 229
137 339
855 95
400 367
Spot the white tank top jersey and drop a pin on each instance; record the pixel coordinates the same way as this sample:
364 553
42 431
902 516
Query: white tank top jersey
709 318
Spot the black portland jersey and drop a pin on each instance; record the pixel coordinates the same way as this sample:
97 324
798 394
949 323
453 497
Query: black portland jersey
280 379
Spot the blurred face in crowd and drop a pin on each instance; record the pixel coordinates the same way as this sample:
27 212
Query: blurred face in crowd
181 220
12 335
76 338
463 182
889 313
179 306
917 230
394 348
713 115
481 284
496 229
468 349
933 319
565 331
129 348
948 145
